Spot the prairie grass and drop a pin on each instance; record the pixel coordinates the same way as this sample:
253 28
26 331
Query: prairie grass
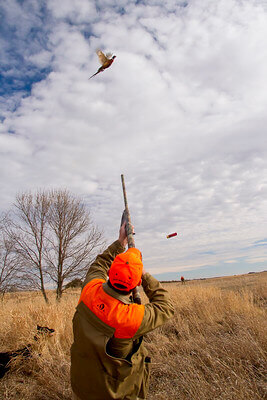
214 347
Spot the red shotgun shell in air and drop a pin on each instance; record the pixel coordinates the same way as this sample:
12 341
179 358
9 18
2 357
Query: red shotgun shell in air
171 235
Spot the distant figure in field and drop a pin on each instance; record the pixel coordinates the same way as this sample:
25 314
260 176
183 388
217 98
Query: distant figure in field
182 280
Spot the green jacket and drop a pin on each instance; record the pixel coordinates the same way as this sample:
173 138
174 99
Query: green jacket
102 366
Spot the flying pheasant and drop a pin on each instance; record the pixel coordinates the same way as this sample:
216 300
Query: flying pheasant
105 60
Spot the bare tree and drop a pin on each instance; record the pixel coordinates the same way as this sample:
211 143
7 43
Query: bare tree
26 229
74 240
9 267
53 237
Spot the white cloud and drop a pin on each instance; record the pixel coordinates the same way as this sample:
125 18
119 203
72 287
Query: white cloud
181 112
41 59
76 11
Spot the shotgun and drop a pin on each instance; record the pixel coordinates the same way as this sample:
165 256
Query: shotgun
129 231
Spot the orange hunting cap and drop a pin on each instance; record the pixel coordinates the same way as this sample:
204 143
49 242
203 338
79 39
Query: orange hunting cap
126 270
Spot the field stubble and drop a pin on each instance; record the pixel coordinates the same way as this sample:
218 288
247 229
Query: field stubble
214 347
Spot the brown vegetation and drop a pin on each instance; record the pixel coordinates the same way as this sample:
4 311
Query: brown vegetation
214 348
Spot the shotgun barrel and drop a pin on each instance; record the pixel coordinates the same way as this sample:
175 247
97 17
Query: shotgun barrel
129 231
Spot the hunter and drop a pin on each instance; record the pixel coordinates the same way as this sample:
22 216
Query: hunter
108 357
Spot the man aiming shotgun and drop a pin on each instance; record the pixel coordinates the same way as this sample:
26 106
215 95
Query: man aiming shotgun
108 357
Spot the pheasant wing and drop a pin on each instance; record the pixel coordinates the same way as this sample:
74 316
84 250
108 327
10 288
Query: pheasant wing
102 58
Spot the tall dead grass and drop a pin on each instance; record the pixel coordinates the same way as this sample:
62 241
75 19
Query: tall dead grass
214 347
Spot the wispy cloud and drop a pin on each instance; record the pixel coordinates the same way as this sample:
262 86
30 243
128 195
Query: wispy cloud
181 112
262 242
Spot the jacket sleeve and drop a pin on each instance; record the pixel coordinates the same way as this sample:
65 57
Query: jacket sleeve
102 263
160 307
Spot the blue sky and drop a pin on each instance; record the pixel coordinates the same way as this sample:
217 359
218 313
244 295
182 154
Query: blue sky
181 112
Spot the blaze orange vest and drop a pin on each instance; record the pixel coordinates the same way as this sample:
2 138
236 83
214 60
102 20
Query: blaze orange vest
125 318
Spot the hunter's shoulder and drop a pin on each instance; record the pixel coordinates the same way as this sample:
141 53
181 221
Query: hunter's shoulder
117 246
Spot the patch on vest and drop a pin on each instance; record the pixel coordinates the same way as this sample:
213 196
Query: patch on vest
101 306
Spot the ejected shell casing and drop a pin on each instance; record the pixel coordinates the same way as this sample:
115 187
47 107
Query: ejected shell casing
171 235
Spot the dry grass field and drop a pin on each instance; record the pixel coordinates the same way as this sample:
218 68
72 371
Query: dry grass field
214 347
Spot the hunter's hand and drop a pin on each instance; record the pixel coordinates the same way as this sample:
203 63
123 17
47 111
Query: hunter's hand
122 235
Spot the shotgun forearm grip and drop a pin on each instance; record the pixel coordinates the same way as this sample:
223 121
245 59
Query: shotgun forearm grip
129 232
129 229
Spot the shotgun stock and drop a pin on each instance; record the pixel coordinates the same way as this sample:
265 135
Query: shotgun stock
129 231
